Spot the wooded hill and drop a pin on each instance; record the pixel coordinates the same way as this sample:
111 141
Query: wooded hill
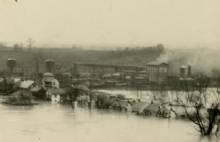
64 57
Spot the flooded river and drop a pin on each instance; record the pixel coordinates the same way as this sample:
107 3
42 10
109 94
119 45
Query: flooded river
48 122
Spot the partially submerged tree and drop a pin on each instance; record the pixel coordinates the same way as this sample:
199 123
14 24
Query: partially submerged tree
202 106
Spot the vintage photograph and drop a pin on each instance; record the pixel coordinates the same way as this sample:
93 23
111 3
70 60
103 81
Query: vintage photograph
109 71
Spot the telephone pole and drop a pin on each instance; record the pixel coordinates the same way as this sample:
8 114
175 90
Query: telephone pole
30 43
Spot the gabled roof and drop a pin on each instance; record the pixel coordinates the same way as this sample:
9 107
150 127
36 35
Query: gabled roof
35 89
48 74
26 84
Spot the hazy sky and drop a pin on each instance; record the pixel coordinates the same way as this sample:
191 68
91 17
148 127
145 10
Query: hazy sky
111 22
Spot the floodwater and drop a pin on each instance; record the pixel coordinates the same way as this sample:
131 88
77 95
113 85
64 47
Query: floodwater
168 96
49 122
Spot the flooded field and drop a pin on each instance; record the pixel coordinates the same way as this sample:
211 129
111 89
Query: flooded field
48 122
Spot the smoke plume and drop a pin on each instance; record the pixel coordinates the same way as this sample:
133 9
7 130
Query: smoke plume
202 60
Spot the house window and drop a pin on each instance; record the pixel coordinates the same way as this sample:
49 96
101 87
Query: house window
48 84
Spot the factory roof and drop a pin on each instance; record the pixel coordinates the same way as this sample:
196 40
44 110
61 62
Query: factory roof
155 63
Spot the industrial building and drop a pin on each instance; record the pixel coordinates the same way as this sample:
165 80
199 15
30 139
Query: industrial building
157 72
185 71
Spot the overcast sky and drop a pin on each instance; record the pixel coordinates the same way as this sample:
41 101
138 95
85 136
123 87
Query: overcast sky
174 23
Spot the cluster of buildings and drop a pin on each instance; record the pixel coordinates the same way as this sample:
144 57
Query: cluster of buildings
102 75
13 80
153 73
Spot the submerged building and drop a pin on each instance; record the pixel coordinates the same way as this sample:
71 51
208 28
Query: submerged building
49 81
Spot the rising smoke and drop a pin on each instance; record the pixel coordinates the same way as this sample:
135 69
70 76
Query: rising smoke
202 60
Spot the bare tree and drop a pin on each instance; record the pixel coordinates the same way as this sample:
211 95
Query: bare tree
201 105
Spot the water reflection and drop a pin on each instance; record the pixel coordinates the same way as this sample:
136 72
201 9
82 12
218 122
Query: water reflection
54 123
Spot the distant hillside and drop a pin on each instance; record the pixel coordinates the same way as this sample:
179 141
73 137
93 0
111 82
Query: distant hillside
64 57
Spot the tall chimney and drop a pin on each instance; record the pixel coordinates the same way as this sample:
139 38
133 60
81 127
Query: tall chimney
189 73
50 65
11 64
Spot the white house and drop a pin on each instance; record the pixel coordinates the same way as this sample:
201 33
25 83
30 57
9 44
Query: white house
49 81
51 85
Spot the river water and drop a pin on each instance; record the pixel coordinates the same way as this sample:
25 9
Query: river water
52 122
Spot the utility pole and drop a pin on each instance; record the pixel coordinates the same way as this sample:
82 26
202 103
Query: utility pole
30 43
36 66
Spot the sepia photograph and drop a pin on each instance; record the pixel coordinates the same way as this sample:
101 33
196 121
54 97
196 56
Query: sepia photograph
109 71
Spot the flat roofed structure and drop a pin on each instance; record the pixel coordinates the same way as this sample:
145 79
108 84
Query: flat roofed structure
157 72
